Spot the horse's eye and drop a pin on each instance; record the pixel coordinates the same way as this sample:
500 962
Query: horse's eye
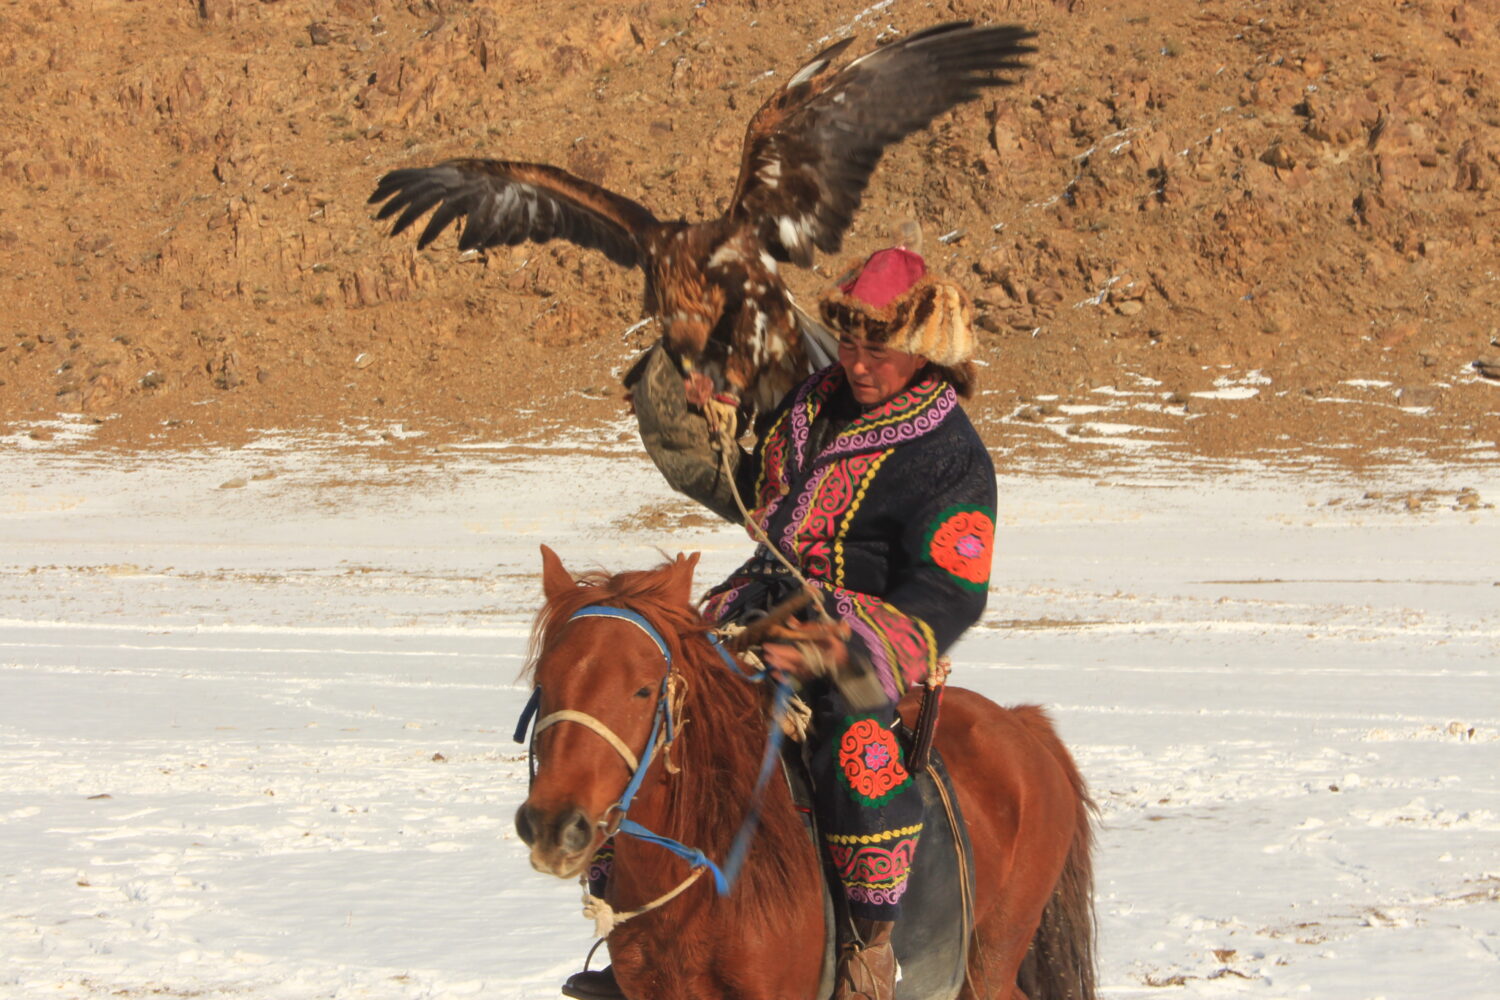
644 692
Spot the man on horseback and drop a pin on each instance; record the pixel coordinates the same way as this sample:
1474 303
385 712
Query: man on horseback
869 485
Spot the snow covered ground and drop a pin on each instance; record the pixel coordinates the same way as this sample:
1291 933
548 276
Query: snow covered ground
255 708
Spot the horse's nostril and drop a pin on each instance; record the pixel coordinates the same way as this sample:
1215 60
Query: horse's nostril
568 831
525 825
576 833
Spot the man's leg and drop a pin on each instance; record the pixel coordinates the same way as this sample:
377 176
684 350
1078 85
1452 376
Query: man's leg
870 812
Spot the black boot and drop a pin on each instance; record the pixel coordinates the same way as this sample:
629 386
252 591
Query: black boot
598 984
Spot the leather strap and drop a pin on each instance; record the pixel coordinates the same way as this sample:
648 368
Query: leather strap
584 719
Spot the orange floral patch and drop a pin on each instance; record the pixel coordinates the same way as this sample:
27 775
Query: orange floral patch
870 758
961 542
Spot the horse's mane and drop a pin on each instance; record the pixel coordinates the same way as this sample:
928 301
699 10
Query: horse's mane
719 749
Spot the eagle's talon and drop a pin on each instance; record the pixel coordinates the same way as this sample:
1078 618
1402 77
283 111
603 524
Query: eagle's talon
699 389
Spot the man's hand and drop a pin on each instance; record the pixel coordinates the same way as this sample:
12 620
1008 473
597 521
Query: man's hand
805 650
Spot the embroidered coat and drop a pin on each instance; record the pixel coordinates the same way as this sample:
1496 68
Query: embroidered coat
892 518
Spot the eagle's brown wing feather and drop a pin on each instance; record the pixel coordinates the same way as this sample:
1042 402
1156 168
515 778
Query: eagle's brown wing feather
509 203
810 150
803 84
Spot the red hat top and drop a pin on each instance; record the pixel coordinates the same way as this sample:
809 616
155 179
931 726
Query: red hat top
887 275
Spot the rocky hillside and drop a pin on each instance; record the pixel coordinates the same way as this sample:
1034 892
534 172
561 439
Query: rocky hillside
1244 229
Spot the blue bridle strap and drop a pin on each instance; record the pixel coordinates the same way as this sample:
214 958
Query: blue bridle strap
695 858
663 711
729 660
774 738
625 614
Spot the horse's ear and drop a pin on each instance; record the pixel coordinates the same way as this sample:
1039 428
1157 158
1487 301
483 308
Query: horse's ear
682 577
556 580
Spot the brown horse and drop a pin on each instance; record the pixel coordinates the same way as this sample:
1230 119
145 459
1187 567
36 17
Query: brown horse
1025 804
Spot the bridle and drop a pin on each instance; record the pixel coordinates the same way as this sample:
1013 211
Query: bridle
664 722
665 725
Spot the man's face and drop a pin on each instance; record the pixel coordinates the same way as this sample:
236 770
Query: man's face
876 373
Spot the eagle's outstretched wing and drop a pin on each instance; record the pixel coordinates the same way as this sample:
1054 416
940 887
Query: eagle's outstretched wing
810 149
510 203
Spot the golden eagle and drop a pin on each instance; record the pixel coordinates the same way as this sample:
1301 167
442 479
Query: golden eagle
807 158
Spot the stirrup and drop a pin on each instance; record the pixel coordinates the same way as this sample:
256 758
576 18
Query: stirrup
593 984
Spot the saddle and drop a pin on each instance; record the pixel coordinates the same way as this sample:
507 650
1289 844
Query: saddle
931 939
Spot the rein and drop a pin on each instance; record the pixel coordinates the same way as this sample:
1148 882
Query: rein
665 726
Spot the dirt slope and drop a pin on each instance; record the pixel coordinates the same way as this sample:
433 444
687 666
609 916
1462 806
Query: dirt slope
1287 206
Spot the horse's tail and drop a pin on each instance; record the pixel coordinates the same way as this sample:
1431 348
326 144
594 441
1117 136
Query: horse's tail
1060 962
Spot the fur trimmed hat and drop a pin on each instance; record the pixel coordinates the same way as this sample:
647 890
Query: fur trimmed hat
890 300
